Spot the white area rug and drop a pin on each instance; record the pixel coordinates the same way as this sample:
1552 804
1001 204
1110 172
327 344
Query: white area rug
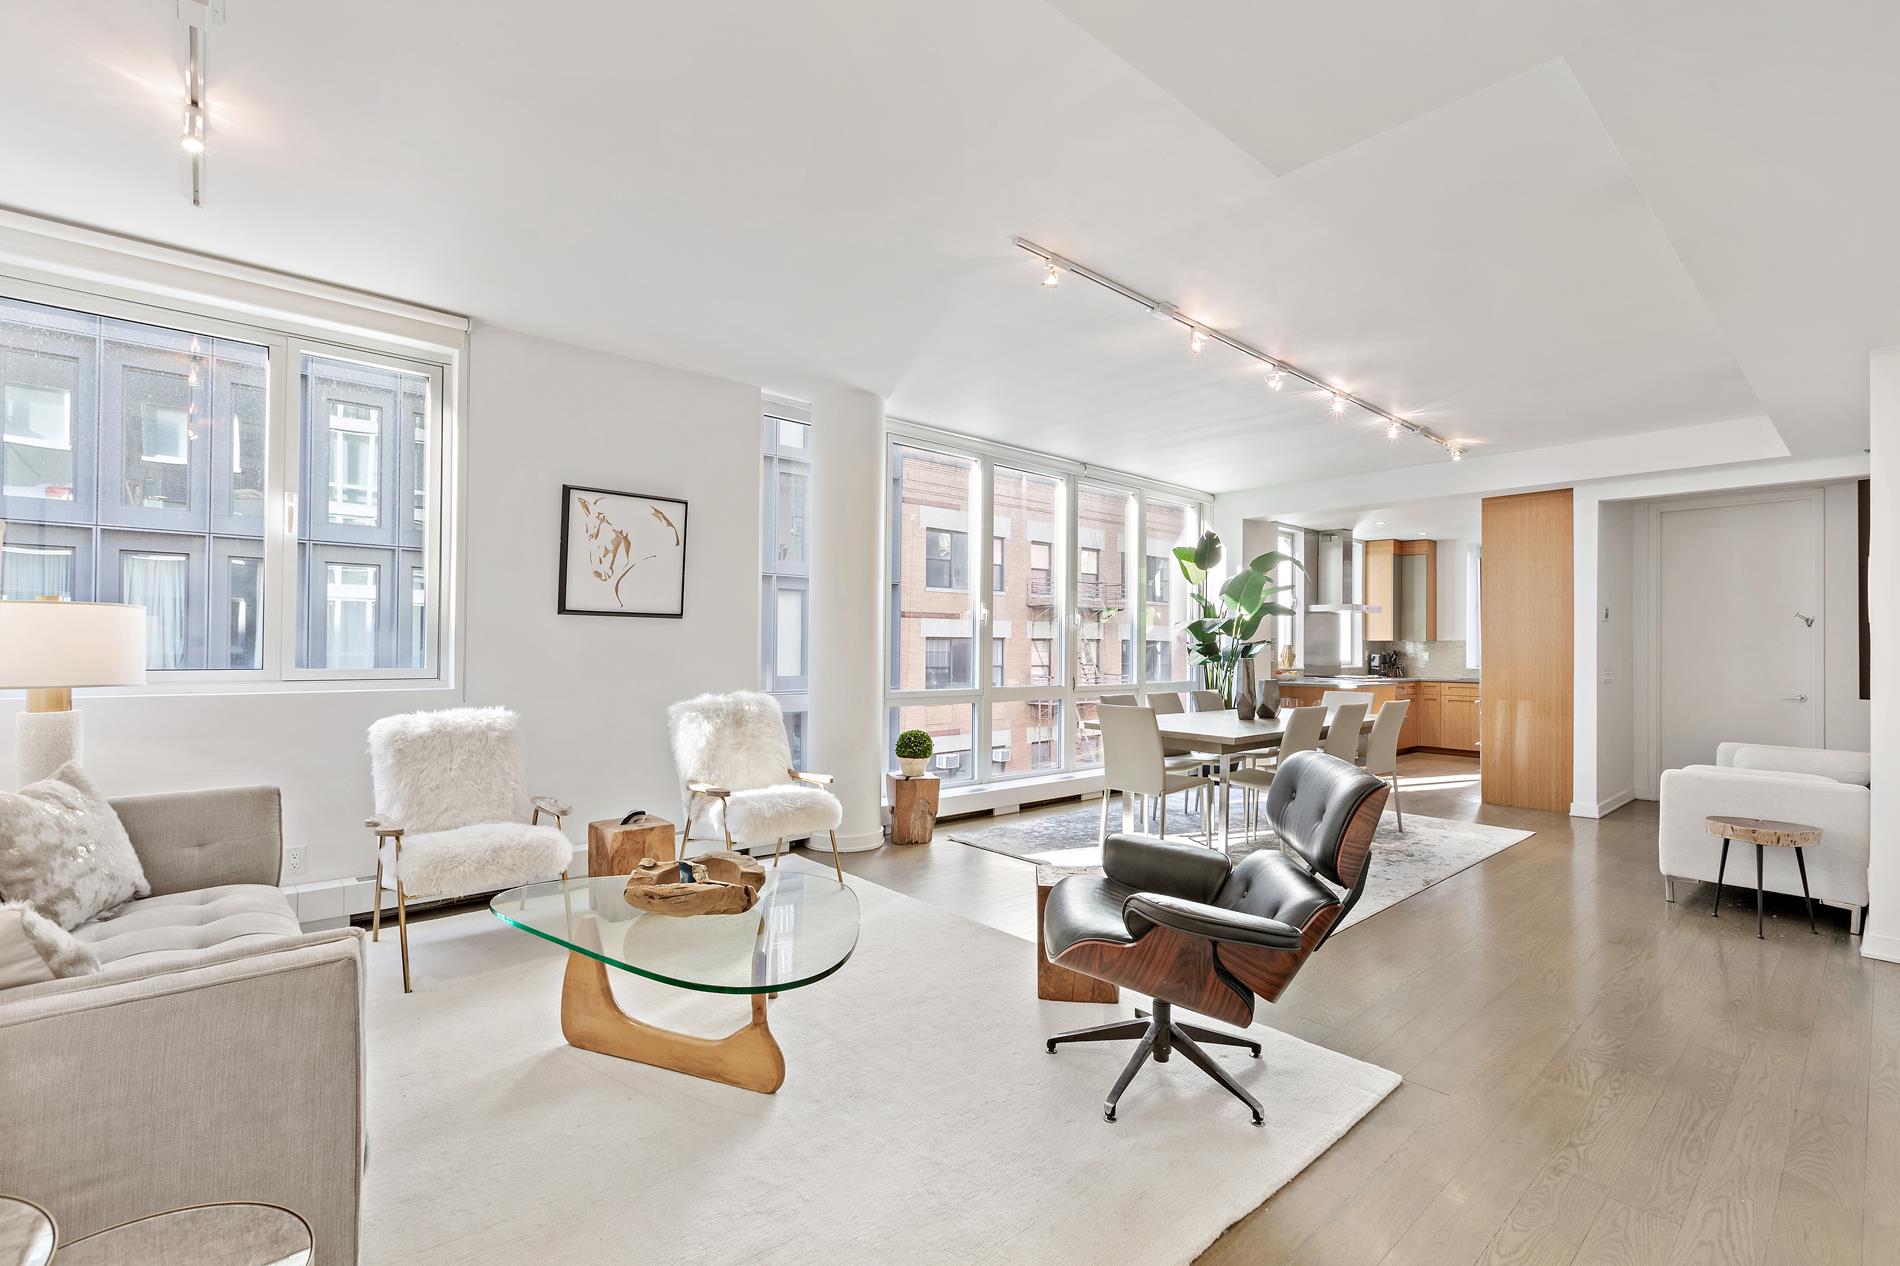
920 1122
1426 852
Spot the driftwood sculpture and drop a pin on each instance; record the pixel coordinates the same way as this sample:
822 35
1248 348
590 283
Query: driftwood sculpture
722 883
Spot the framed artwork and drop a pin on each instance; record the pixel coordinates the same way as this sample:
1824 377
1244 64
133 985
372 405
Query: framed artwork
622 553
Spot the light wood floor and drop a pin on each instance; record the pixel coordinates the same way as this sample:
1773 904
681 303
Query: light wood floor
1592 1075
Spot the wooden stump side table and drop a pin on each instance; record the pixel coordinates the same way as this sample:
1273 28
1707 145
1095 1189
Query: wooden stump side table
613 849
1763 832
913 807
1061 984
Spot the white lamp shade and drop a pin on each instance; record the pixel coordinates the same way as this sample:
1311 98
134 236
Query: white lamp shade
48 645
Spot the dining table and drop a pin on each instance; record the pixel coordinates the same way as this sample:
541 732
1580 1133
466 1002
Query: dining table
1222 737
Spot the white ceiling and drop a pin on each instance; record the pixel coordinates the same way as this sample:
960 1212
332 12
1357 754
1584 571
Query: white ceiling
1521 223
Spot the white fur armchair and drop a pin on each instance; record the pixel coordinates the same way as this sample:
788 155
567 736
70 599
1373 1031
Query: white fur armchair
449 806
1825 789
736 763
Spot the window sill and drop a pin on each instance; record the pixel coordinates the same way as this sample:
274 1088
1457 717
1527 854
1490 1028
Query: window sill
1009 796
160 688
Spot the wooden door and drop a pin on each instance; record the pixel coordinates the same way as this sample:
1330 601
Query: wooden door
1381 591
1528 650
1458 718
1426 703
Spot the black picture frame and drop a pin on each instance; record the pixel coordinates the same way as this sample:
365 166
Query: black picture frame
567 603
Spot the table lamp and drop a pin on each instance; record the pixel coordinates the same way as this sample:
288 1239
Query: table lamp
50 646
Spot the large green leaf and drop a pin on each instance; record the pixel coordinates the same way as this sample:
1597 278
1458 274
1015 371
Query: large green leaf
1207 551
1195 573
1250 625
1271 559
1244 590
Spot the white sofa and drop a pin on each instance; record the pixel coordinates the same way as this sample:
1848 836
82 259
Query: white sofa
1826 789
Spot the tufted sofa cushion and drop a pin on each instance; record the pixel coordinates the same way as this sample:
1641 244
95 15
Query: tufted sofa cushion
189 923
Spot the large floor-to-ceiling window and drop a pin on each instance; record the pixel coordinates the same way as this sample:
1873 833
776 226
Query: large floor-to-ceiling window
785 609
1020 589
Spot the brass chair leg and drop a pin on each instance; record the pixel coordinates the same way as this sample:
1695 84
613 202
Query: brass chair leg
728 831
776 850
836 864
402 934
376 909
1107 795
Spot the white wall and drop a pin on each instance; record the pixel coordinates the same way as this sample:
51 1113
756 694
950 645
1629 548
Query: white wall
1882 934
591 690
1616 673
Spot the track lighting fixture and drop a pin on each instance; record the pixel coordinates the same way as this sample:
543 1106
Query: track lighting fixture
1199 336
198 16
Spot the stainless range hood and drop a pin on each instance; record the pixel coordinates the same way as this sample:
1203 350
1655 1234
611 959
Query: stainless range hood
1329 574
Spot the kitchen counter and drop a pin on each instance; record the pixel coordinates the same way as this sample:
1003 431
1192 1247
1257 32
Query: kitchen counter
1343 682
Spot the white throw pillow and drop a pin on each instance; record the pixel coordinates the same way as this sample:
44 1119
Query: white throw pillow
64 849
33 949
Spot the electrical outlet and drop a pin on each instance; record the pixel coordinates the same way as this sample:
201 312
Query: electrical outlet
293 861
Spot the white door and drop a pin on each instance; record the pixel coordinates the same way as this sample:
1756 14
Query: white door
1736 585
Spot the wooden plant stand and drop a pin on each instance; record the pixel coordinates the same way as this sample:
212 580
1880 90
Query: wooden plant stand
913 807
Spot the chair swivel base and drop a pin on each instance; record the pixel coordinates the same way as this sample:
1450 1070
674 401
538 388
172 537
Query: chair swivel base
1157 1036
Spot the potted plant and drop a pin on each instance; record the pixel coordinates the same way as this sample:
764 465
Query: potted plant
1222 639
913 752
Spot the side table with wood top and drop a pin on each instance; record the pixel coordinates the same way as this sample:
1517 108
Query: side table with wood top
1062 984
1763 832
913 807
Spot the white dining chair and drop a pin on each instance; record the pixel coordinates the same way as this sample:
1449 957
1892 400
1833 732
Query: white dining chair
1120 701
1165 703
1300 734
1134 763
1205 701
1333 698
1342 731
1382 749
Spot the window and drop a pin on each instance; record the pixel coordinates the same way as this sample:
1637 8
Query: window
1040 577
946 662
136 466
1041 664
1157 579
1046 663
946 561
353 440
358 536
785 615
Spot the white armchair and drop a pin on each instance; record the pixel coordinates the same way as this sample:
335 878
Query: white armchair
736 763
449 806
1825 789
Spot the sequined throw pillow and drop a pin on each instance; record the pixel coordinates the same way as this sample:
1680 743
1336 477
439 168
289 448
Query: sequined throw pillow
63 849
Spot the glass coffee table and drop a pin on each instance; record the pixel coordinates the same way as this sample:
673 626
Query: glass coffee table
802 930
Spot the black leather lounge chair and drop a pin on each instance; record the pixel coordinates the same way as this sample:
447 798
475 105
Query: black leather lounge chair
1189 928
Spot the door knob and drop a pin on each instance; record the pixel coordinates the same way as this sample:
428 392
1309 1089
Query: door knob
1794 698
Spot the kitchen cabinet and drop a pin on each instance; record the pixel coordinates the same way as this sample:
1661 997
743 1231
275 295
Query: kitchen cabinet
1458 717
1427 704
1401 579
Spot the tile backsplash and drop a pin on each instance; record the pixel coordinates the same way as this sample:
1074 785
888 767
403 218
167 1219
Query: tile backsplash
1429 659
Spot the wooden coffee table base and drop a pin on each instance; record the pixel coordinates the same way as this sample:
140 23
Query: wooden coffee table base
590 1019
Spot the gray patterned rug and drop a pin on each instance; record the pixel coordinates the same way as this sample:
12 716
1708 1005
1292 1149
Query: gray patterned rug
1428 851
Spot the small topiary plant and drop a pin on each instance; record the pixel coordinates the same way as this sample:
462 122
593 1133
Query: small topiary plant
914 745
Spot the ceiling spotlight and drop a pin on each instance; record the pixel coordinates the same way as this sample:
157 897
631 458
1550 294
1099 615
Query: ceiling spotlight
1392 429
1276 379
1339 403
192 139
1051 275
1457 454
1197 341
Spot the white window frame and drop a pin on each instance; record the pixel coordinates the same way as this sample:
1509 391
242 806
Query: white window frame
1066 563
288 336
778 576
